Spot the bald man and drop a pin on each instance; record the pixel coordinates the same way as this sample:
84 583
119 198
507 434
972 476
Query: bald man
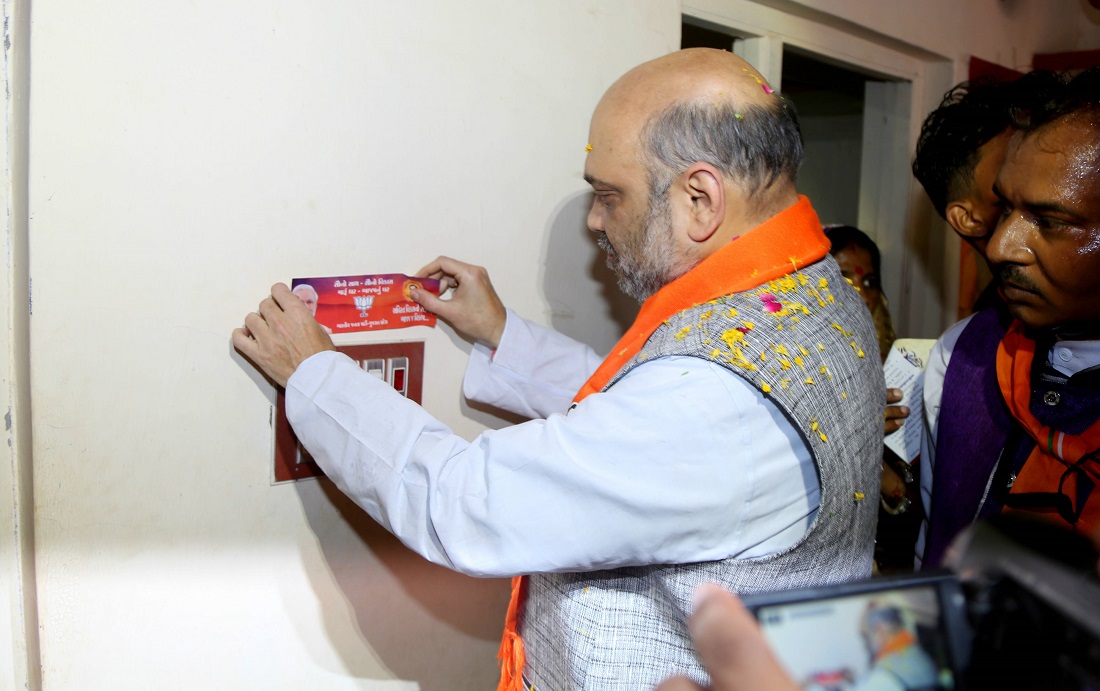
732 436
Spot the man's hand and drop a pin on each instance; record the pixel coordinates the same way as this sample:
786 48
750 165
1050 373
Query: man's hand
895 414
281 335
731 647
474 309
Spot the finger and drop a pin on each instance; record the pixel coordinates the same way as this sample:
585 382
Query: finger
428 301
731 645
456 273
268 309
442 266
717 627
894 395
256 326
894 418
678 684
430 270
242 341
282 296
897 412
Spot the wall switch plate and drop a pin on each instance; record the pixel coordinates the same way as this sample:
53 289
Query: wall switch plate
401 365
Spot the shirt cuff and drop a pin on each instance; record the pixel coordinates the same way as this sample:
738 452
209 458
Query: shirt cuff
483 360
313 371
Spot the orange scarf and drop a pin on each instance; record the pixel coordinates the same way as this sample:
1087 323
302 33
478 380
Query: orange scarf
896 643
1056 461
781 245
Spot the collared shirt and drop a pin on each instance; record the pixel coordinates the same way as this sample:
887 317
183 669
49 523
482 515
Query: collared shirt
679 461
1067 357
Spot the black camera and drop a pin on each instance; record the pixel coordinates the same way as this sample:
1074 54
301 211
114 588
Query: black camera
1018 609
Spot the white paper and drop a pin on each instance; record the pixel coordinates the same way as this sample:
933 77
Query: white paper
904 369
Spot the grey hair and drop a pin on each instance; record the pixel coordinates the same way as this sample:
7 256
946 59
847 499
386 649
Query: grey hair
755 145
889 616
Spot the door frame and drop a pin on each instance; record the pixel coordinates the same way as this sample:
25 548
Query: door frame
919 255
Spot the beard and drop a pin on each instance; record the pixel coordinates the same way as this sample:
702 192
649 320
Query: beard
647 260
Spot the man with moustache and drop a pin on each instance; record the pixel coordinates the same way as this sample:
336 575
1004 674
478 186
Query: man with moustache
958 155
732 435
961 148
1013 400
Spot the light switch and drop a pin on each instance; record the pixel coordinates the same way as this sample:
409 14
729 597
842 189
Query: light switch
399 364
399 367
376 367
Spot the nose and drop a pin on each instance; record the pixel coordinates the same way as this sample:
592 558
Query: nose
595 217
1009 243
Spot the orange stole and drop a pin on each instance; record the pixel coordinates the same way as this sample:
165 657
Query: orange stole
1048 468
781 245
896 643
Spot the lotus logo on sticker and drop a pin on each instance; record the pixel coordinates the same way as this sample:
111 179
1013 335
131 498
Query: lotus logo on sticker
363 303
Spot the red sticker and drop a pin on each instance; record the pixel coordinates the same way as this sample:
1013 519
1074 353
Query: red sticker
345 304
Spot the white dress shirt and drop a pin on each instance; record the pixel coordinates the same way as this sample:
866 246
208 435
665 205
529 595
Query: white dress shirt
680 461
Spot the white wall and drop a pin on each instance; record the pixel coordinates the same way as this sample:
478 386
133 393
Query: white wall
184 155
1007 32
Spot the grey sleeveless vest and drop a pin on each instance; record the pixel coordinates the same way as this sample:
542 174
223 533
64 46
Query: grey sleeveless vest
805 341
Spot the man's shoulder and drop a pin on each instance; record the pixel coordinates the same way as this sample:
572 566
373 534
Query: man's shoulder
986 325
947 340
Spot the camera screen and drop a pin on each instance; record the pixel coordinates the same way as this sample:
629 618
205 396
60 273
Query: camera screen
890 639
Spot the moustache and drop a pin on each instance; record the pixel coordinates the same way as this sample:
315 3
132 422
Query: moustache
605 245
1011 273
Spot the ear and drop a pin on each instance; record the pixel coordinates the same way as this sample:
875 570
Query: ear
704 201
962 218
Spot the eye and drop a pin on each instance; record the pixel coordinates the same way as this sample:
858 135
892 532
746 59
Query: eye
605 199
1046 223
871 282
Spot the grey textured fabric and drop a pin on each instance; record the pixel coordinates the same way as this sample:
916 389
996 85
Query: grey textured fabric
807 342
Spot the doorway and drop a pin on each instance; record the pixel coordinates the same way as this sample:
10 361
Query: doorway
829 98
856 129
